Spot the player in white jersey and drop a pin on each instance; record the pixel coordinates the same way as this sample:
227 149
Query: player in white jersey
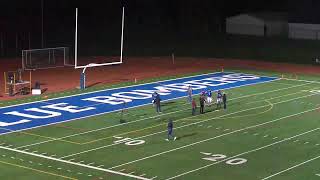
219 99
209 97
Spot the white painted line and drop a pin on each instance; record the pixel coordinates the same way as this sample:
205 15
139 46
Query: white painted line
256 134
207 154
266 136
108 127
317 144
95 130
142 175
154 177
90 164
100 166
306 143
216 137
288 169
131 172
296 140
122 170
275 138
245 153
73 163
301 80
317 174
102 147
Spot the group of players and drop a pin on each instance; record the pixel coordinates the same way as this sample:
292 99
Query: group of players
204 99
221 98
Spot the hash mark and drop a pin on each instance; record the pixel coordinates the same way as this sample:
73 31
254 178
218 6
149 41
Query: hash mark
204 153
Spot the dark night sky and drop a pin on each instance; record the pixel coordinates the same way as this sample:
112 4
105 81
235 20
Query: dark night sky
177 15
26 13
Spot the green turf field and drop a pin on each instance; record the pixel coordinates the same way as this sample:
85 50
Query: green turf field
269 131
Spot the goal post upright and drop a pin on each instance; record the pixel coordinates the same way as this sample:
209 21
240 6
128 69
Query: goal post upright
120 61
76 42
122 29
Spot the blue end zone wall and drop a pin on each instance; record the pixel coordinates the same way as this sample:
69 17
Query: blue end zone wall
43 113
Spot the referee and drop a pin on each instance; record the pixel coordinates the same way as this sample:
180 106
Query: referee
224 99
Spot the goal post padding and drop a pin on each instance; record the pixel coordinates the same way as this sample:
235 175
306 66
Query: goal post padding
46 58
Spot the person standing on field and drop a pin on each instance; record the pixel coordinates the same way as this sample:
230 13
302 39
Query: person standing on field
158 104
202 100
224 99
194 107
170 131
189 94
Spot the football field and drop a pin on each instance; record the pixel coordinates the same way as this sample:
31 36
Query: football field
269 130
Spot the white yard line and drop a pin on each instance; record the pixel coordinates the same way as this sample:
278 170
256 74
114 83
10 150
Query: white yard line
104 128
102 147
301 80
74 163
219 136
109 127
300 164
244 153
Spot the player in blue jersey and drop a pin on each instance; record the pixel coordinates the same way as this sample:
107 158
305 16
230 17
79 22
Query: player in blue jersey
209 97
170 131
154 95
219 99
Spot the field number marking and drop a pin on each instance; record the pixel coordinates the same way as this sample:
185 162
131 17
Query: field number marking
218 157
128 141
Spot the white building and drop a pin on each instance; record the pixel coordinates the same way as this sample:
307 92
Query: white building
259 24
304 31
